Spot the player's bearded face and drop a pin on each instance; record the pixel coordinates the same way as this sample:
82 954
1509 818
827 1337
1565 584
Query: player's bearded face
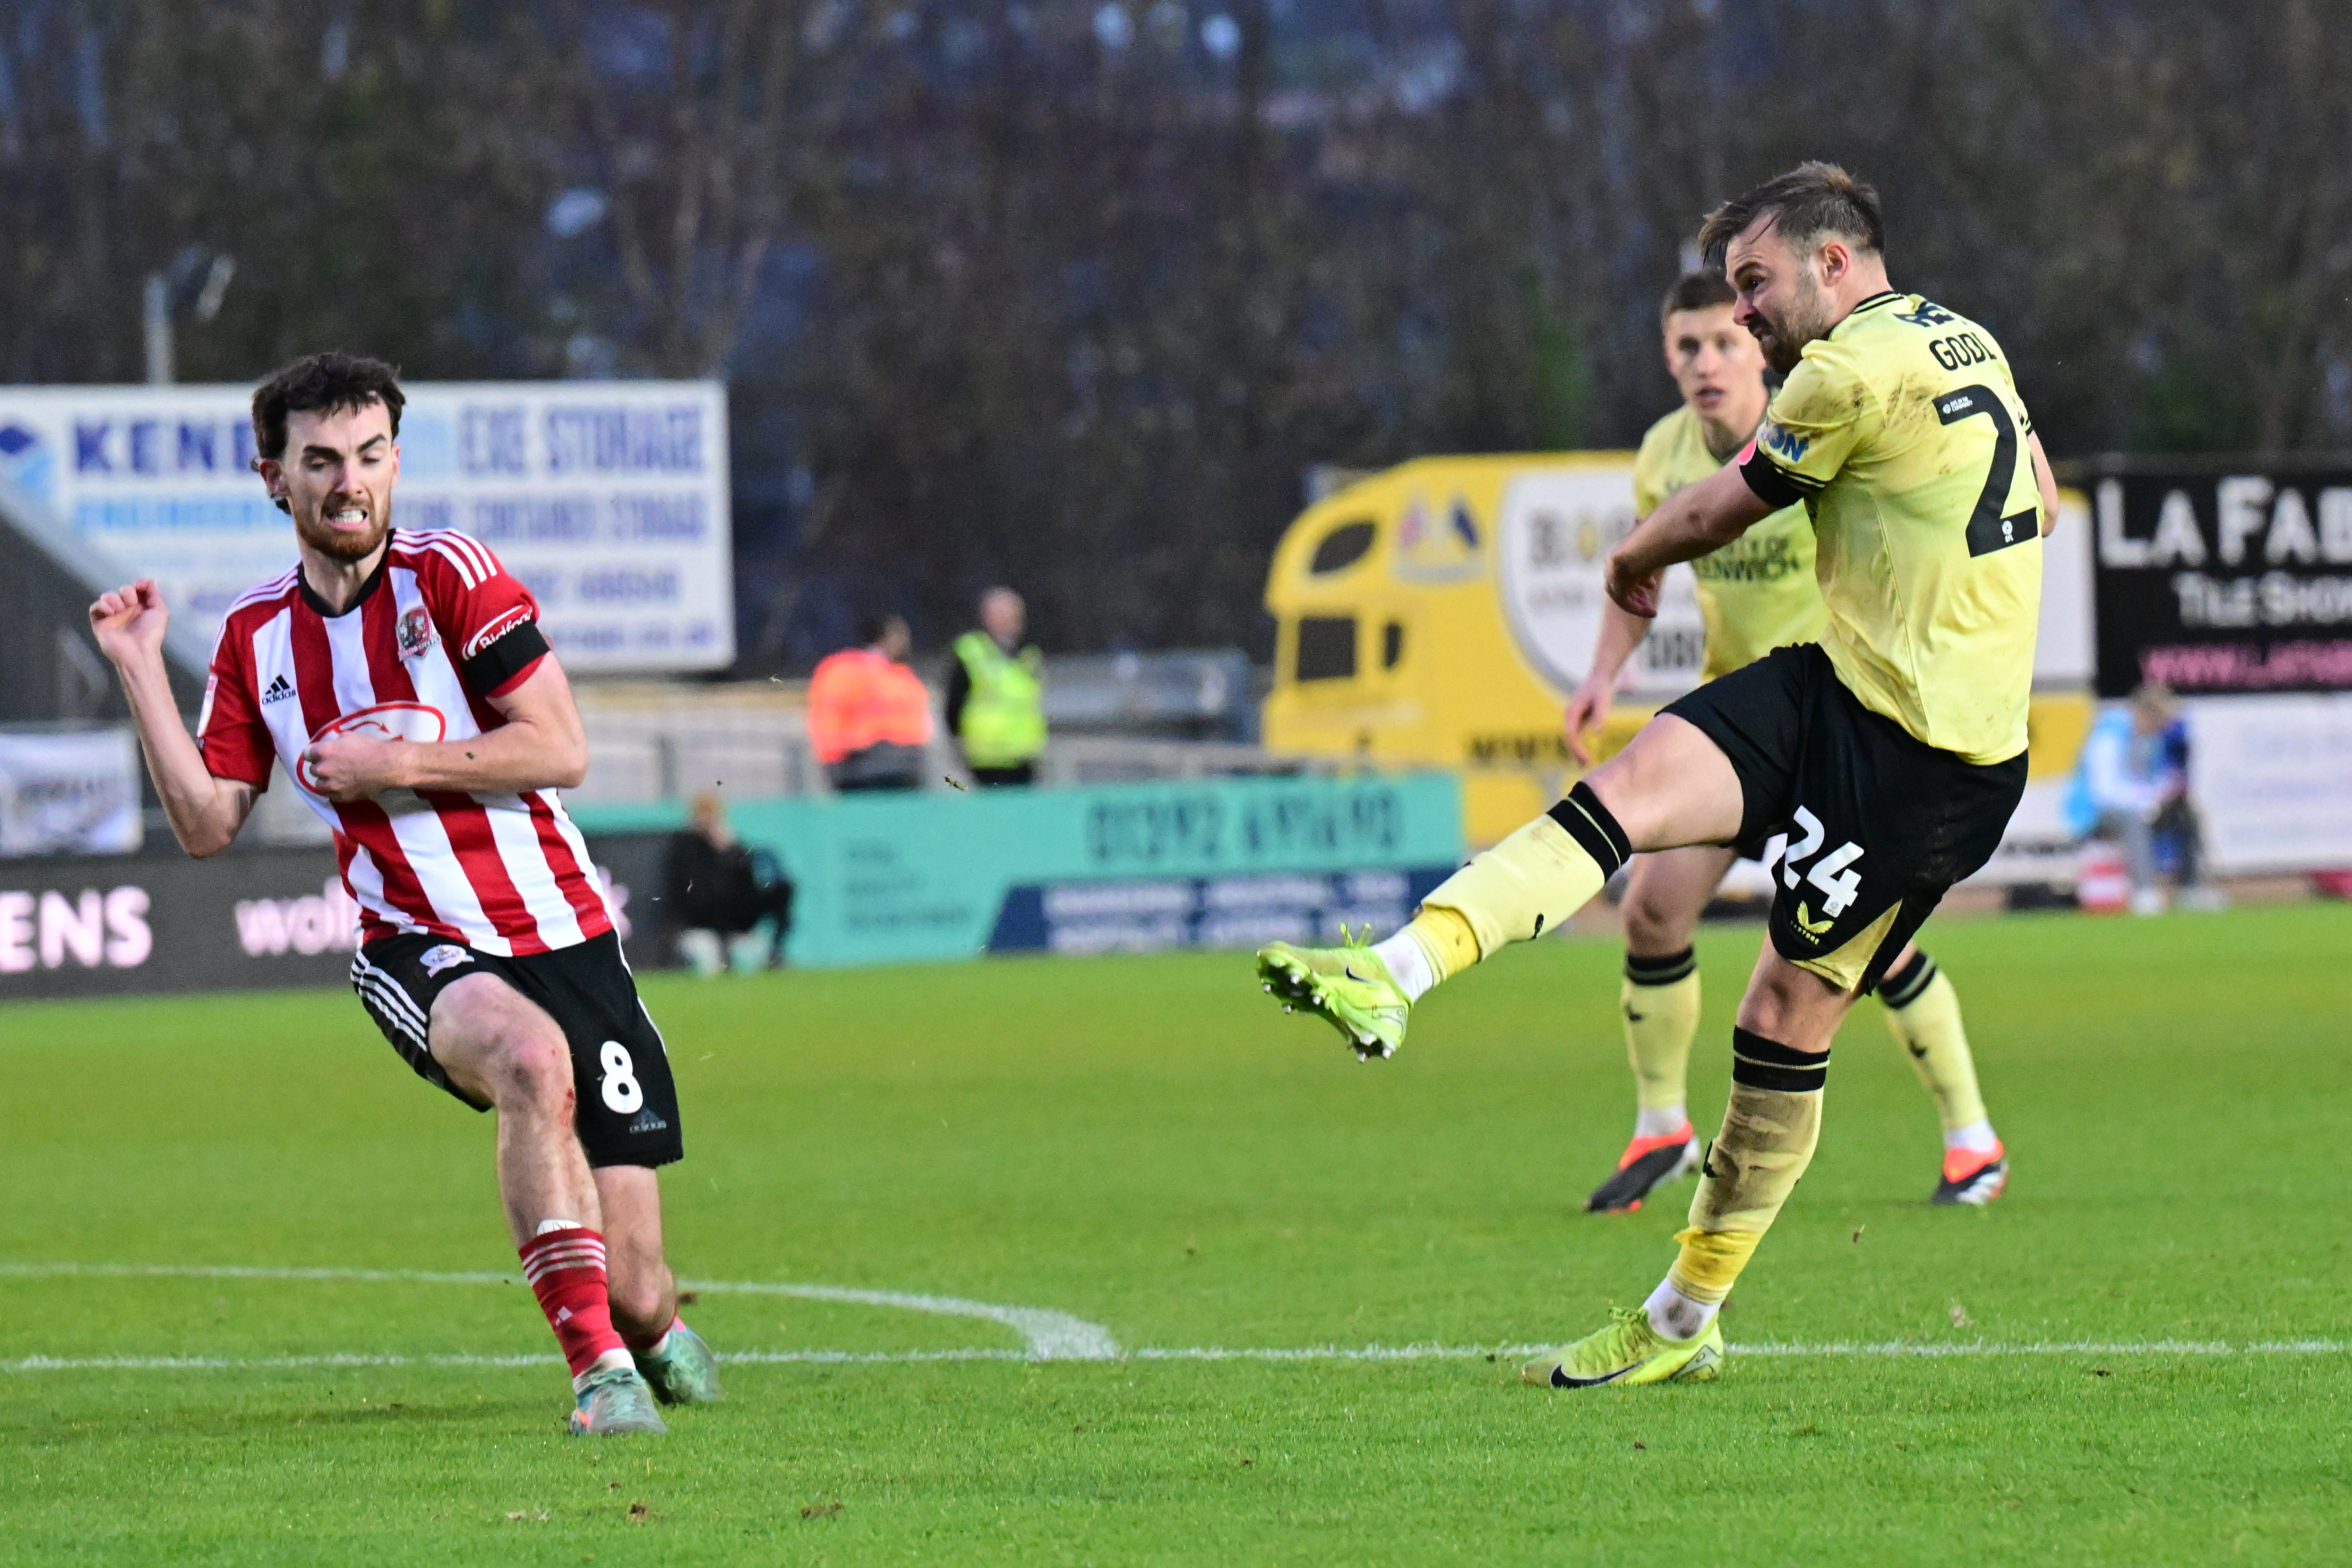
343 525
1786 324
338 473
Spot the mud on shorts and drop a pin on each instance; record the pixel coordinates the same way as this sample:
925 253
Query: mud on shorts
627 1113
1880 823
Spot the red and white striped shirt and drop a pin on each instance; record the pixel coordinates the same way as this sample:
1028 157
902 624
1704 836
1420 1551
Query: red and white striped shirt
437 630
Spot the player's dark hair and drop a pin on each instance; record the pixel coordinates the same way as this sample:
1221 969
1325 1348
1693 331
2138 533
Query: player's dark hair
321 383
1810 200
1696 291
874 625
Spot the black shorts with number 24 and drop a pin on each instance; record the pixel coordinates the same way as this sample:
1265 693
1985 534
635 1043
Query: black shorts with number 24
1880 823
627 1111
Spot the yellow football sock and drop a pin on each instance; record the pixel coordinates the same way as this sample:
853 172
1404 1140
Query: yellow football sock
1537 877
1769 1128
1445 937
1923 1014
1660 999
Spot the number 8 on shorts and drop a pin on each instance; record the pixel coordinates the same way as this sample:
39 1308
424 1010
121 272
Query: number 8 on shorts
620 1088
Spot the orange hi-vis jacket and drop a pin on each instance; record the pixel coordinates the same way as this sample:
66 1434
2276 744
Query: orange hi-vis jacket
857 698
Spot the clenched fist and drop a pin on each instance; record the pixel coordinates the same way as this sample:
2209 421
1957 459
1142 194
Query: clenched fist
128 622
355 767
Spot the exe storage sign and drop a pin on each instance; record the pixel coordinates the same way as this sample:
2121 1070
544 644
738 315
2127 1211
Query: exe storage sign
2235 579
609 499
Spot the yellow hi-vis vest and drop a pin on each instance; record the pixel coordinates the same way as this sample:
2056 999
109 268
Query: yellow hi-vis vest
1004 722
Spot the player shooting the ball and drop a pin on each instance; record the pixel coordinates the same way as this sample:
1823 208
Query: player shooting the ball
1892 750
1755 595
401 677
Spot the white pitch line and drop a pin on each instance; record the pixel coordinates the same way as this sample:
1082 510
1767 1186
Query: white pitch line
1051 1335
1313 1352
1890 1349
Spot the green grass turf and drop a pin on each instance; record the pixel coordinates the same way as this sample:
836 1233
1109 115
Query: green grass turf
1144 1142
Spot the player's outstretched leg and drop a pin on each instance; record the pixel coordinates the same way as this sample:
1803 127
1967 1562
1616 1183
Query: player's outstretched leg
675 1360
1515 892
504 1051
1769 1129
1923 1014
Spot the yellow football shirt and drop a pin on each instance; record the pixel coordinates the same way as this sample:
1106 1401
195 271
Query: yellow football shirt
1902 430
1756 593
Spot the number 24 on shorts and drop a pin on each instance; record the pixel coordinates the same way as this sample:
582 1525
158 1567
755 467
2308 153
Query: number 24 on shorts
1839 887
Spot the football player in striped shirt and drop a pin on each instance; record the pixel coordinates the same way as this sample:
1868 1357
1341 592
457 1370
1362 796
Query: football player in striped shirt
1755 595
402 678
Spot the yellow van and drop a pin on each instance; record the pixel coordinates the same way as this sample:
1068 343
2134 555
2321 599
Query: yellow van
1441 611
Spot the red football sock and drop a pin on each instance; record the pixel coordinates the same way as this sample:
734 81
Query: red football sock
566 1270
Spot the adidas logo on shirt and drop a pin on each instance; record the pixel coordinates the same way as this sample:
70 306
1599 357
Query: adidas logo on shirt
279 686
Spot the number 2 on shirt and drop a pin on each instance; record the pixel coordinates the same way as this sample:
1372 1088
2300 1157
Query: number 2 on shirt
1988 529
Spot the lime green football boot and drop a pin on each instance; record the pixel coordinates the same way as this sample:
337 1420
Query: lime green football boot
1629 1350
1349 987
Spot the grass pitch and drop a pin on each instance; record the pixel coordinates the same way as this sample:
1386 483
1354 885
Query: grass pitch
1146 1145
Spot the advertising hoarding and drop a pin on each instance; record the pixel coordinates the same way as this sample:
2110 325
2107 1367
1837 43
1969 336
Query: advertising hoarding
2215 577
916 877
608 498
254 919
2272 778
69 791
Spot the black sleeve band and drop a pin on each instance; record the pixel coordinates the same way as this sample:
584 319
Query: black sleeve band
513 652
1663 972
1762 1063
1903 987
1772 487
1588 821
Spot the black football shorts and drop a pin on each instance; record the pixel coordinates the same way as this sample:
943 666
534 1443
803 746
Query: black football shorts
1880 823
627 1113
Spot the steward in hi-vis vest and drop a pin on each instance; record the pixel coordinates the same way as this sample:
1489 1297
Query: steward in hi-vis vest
996 696
869 717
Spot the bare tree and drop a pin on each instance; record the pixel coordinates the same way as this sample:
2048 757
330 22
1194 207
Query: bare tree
686 113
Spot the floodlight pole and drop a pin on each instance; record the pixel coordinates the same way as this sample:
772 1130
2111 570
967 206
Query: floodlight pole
159 329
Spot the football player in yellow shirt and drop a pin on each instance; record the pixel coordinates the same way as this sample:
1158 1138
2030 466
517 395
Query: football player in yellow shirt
1892 750
1755 595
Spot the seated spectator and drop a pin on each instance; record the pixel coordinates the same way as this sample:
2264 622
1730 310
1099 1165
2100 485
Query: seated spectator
734 904
869 717
2131 790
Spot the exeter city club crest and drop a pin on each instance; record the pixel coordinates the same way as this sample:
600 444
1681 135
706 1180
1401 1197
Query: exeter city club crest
416 633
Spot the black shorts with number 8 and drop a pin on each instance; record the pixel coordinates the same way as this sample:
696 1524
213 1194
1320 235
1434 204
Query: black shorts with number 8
1880 823
627 1113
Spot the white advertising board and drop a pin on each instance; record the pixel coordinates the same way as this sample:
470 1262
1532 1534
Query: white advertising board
2272 777
76 793
1556 527
608 498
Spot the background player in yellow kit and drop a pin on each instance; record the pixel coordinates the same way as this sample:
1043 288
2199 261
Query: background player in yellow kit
1755 595
1892 750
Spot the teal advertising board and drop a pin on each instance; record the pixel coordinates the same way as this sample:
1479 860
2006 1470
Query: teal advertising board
927 875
